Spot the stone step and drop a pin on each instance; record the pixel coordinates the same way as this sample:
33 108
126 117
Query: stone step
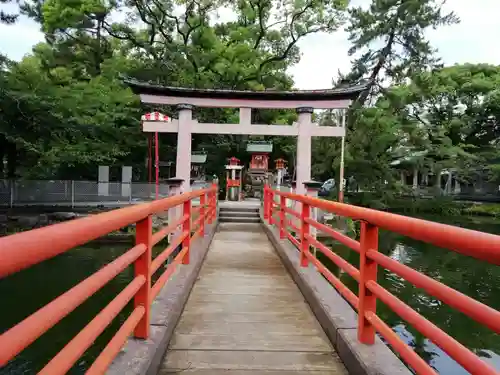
239 227
236 219
239 209
238 214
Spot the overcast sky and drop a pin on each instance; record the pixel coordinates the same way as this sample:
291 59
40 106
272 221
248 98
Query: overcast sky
475 39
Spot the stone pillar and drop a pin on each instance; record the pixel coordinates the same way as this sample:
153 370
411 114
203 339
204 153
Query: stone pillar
415 178
103 181
183 162
448 183
304 148
312 188
127 181
279 178
234 190
174 188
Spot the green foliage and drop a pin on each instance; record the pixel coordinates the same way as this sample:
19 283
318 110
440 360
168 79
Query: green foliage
389 43
485 209
7 17
64 110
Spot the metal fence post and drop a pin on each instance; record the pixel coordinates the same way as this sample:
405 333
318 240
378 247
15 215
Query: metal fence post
368 272
142 267
72 193
11 198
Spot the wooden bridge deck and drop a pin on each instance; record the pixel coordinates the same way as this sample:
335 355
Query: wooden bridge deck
245 315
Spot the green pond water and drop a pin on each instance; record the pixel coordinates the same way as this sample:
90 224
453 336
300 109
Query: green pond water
25 292
474 278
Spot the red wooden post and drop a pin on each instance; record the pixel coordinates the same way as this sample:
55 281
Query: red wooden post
304 230
202 214
271 206
214 201
266 202
282 216
142 267
368 271
186 227
157 166
210 196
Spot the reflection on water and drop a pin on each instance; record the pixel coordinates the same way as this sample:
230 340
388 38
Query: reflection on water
25 292
476 279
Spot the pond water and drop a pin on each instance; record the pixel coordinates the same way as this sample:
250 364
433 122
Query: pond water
476 279
25 292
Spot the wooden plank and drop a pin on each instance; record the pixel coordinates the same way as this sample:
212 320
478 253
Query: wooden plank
242 372
245 315
266 288
254 360
268 302
266 316
282 328
253 341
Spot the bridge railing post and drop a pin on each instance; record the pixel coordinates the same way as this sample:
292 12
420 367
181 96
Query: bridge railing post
368 272
142 267
210 206
186 227
270 206
282 216
202 214
215 197
304 232
266 202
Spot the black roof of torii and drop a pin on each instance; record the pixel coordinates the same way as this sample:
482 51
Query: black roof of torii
350 92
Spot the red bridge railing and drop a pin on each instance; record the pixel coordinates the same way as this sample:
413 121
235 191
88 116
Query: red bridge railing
479 245
24 250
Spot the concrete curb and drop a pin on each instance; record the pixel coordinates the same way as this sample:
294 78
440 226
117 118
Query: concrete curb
144 357
336 316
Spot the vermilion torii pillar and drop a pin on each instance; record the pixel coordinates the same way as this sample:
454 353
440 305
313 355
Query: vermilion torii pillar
304 102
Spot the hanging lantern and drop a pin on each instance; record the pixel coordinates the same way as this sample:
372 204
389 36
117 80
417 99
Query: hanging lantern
155 116
280 163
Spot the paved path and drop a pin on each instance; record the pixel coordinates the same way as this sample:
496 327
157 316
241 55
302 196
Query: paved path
245 315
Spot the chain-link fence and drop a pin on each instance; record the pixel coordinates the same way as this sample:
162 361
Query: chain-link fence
80 193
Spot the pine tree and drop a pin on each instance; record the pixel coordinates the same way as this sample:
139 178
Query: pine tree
389 43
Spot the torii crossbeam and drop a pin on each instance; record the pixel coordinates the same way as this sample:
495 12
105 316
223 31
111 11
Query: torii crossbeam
301 100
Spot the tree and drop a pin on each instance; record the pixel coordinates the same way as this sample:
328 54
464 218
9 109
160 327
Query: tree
250 52
404 51
457 111
65 130
388 44
7 17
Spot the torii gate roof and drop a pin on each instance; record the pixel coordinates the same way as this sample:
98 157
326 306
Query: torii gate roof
233 98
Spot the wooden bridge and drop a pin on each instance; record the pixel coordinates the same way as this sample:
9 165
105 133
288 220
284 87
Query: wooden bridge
246 297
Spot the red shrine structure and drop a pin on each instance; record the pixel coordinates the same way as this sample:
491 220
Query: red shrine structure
234 173
258 171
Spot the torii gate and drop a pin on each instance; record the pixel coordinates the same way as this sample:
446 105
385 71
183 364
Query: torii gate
304 101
